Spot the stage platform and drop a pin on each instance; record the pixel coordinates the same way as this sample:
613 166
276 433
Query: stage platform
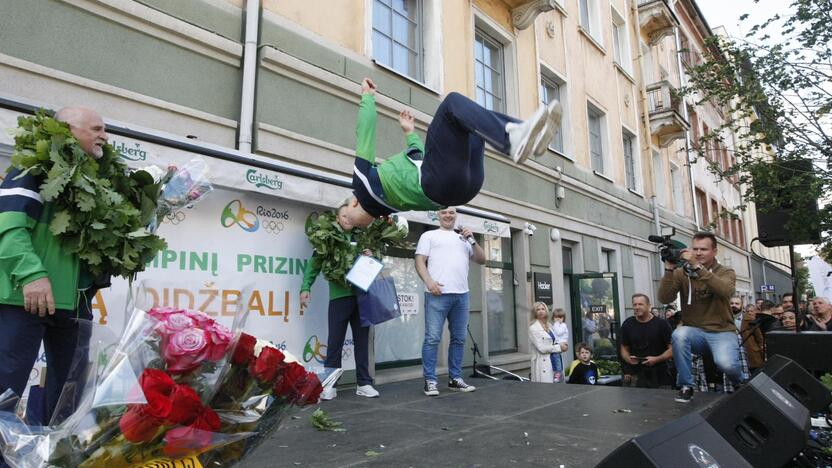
502 424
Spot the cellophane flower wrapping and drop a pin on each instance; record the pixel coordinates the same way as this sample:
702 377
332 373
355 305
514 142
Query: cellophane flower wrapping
177 384
182 187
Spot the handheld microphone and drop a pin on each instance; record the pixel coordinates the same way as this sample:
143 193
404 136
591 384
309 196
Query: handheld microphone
470 240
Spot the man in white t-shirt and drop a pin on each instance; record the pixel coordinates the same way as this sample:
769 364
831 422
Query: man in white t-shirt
442 257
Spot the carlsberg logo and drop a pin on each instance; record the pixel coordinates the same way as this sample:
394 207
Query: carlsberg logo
258 179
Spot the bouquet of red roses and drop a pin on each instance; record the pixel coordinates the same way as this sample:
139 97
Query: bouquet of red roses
178 384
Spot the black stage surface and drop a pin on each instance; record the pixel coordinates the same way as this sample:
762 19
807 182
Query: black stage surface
503 423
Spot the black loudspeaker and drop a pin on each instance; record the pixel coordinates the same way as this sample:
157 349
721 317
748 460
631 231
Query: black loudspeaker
807 348
688 442
782 180
808 390
763 422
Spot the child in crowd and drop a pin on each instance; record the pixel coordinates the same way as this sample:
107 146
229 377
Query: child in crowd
583 370
561 332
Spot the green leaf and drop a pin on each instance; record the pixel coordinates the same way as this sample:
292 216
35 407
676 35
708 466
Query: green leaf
60 222
85 201
322 422
53 186
143 232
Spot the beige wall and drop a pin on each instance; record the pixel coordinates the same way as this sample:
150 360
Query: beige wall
340 21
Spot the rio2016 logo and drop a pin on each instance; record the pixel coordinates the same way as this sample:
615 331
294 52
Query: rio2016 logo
314 349
236 213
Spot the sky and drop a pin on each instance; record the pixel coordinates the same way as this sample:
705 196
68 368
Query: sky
727 13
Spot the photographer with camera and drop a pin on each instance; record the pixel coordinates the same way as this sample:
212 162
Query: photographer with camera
705 287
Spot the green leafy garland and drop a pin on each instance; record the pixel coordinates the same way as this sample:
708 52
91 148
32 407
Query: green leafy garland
336 248
101 210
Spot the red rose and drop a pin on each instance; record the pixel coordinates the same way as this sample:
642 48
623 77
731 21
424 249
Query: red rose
307 390
285 384
186 405
265 367
158 406
207 420
137 425
244 351
193 439
156 381
185 440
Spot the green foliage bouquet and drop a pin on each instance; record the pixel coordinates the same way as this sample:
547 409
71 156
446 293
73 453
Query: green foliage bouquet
338 248
100 210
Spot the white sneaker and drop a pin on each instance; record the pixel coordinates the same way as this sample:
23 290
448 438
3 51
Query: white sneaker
555 111
522 133
329 393
366 391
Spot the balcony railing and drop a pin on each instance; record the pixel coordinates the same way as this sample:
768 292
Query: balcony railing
656 19
666 114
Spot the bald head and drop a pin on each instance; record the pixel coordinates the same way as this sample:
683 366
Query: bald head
87 126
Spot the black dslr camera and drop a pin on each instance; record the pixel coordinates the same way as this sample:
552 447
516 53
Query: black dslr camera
671 250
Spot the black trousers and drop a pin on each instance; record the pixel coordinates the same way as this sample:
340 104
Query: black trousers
342 312
65 336
452 171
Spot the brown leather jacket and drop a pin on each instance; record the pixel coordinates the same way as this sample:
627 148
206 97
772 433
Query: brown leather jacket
753 345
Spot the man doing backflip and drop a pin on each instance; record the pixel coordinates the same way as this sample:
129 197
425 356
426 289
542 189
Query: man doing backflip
447 170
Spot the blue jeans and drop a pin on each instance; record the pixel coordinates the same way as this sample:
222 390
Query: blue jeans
723 346
452 171
454 308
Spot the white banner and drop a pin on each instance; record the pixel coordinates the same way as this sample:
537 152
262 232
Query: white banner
820 273
249 232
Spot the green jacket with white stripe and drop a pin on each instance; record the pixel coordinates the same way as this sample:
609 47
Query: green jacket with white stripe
28 250
399 175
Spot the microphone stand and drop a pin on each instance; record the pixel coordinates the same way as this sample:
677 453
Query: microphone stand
475 349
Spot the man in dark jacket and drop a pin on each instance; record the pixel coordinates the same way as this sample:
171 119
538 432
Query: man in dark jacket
43 288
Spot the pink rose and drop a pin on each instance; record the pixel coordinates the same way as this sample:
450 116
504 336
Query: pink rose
186 350
219 339
160 313
177 322
200 318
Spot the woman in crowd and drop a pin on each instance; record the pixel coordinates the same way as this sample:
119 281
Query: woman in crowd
542 344
789 320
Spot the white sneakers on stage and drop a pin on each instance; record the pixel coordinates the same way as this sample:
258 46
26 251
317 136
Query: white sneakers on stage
366 391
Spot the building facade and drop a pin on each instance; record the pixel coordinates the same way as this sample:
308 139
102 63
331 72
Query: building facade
276 83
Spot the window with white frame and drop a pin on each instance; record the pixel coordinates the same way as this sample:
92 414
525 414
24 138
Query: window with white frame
678 193
489 69
595 121
659 179
630 168
590 17
550 88
397 36
621 41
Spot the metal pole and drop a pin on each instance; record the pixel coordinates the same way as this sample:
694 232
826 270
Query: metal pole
795 296
765 281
